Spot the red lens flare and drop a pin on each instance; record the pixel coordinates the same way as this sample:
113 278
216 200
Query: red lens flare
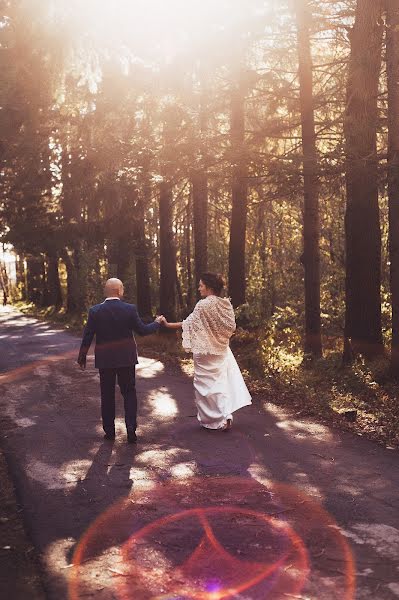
210 560
20 372
210 539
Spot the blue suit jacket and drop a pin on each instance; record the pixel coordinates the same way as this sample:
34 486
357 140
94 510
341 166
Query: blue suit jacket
113 323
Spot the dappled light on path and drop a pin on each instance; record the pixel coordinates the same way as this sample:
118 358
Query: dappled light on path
149 368
163 405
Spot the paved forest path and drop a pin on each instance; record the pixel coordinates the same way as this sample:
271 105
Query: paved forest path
276 508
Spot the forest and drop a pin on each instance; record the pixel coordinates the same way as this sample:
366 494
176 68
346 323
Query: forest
153 141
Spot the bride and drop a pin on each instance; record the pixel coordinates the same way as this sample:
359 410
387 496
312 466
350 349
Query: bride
219 386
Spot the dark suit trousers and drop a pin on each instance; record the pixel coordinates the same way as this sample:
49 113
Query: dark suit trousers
127 385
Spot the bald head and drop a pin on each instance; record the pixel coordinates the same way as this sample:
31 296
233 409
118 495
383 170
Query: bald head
114 287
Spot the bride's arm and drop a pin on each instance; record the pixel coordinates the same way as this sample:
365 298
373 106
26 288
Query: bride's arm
172 325
180 324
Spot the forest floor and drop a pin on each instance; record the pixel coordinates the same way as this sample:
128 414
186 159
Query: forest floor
280 507
360 398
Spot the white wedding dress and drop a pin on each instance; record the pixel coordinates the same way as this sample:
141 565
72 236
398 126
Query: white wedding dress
219 386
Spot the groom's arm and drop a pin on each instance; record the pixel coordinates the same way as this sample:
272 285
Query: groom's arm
140 327
88 335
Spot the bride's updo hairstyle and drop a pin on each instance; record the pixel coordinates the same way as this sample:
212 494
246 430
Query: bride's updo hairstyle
214 282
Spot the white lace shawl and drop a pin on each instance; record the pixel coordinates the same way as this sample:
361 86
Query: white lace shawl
209 327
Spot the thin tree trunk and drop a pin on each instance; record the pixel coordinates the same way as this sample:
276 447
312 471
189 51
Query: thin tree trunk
179 293
263 260
167 250
311 226
142 267
199 181
4 284
363 328
21 277
112 209
273 292
126 243
45 300
53 285
35 281
187 235
392 40
238 226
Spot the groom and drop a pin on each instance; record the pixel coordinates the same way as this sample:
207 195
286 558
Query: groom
113 323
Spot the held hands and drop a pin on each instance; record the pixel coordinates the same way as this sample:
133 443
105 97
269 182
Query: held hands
161 320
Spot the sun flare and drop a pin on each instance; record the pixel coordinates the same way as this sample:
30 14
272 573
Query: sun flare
157 28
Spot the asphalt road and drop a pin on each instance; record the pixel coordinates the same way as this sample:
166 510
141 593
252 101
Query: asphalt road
276 508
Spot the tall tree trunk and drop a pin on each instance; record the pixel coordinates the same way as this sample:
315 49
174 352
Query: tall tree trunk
112 201
363 328
119 213
124 235
142 267
311 225
167 248
125 257
199 181
76 283
238 226
53 295
392 40
168 275
96 250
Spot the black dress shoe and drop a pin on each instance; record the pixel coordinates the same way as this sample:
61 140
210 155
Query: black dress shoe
131 437
109 436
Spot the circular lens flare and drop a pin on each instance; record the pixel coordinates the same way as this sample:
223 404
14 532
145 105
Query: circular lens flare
213 538
209 557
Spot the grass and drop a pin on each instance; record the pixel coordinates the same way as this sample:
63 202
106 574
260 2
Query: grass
271 359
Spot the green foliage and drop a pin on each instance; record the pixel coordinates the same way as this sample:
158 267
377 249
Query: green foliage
271 347
272 361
